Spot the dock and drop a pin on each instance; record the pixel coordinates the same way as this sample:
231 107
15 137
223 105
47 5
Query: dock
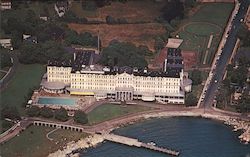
136 143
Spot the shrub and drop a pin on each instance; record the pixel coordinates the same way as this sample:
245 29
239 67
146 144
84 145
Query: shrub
46 112
10 112
61 114
80 117
33 111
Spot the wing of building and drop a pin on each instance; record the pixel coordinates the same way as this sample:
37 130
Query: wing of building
82 77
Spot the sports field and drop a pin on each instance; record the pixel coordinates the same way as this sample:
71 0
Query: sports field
207 23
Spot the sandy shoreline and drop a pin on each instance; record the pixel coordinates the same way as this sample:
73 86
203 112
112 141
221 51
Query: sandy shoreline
93 140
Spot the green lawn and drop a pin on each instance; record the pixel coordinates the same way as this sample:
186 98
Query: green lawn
33 142
110 111
25 78
202 29
211 18
216 13
197 89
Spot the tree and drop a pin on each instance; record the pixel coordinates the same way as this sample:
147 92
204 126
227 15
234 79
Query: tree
84 39
244 35
196 77
42 52
5 125
33 111
10 112
5 58
159 43
189 3
80 117
173 9
61 114
110 20
123 54
89 5
70 16
144 51
122 20
191 99
46 112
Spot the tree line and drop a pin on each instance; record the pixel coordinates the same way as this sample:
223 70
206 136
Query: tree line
5 60
124 54
58 114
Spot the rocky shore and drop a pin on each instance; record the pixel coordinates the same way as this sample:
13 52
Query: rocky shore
71 147
236 123
240 125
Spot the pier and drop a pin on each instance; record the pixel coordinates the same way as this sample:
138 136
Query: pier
135 142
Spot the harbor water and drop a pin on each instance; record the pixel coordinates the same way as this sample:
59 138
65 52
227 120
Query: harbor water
193 137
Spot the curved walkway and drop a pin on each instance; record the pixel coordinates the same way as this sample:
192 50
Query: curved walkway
47 135
184 28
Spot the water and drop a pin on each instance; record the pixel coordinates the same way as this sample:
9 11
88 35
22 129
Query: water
193 137
56 101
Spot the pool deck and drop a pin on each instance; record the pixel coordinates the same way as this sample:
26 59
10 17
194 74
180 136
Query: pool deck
81 103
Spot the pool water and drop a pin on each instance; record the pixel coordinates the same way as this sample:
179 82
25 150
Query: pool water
56 101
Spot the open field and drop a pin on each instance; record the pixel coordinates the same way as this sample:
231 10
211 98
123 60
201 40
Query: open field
34 143
209 19
132 10
139 34
189 58
110 111
20 85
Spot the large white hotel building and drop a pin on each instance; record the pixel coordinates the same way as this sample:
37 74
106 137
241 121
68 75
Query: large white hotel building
81 77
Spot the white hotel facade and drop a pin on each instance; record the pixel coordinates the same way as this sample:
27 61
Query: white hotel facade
119 83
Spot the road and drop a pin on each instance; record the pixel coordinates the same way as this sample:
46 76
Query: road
5 81
224 58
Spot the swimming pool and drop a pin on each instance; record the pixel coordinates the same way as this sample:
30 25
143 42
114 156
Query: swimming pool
56 101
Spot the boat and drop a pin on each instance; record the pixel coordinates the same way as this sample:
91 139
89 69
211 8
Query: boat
151 143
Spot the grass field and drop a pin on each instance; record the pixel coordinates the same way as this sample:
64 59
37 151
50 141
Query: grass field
34 143
133 11
25 78
139 34
110 111
210 18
